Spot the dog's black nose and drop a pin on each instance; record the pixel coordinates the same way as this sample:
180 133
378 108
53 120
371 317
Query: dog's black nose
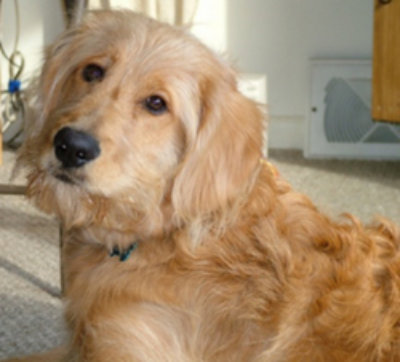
75 148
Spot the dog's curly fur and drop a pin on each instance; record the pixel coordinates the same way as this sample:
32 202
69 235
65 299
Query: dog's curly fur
231 263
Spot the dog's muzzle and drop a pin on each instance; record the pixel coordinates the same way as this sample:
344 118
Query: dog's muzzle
75 148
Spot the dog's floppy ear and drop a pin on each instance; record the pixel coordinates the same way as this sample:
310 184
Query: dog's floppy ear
45 90
224 152
62 58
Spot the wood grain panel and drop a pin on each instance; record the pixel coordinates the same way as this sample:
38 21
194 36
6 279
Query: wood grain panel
386 61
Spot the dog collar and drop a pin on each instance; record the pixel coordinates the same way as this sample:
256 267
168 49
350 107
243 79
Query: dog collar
124 254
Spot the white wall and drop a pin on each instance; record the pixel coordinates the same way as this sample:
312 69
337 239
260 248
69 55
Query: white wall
278 37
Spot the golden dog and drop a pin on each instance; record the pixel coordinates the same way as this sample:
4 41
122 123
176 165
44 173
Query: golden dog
180 243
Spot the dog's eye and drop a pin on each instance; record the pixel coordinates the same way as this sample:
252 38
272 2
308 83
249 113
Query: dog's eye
155 104
93 73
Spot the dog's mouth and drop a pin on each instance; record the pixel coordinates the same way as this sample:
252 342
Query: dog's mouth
64 178
67 177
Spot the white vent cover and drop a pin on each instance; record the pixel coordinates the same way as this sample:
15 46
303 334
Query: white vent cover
340 123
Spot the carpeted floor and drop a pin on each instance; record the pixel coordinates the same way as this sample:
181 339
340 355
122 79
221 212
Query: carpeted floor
30 307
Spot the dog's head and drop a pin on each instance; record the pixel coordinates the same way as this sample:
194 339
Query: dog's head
141 117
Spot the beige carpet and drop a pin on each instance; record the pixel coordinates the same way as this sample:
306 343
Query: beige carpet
30 307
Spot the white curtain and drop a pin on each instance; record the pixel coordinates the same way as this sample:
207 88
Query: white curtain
177 12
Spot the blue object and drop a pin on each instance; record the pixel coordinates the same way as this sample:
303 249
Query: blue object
124 254
14 85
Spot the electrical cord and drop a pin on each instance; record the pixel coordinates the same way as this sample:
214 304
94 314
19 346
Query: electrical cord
12 97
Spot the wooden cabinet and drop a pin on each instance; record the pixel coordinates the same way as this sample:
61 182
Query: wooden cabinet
386 61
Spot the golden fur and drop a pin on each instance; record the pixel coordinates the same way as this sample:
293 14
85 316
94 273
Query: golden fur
231 264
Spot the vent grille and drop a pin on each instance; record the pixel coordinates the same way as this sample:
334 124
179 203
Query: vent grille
340 123
347 115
